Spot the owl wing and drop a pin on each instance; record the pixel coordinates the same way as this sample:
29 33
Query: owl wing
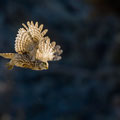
35 30
23 42
28 37
48 51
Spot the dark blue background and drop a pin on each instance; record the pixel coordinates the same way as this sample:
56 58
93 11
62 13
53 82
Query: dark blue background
85 84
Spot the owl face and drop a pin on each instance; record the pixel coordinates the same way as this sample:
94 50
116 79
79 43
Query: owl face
39 65
43 66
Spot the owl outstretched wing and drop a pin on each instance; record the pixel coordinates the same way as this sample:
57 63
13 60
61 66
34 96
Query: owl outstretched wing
28 37
48 51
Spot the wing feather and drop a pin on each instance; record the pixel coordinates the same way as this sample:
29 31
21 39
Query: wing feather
48 51
29 37
35 31
23 42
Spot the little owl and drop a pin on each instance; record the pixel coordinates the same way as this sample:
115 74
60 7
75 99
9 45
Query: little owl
33 49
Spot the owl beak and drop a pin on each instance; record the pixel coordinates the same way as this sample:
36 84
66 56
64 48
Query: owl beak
46 67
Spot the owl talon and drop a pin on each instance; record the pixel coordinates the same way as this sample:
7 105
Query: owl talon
9 66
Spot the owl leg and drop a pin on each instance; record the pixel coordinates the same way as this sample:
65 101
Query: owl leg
10 65
33 54
33 58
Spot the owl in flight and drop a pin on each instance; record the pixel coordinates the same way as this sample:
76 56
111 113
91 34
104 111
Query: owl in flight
33 48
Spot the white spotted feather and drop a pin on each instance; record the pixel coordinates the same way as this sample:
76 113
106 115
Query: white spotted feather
47 51
29 37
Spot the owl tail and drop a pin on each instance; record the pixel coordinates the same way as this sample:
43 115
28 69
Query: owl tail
7 55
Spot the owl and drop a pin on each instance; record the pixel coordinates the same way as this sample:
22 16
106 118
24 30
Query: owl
33 48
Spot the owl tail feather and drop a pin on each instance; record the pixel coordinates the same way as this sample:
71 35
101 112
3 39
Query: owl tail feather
7 55
9 66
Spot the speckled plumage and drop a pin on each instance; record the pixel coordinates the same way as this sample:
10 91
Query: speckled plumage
33 50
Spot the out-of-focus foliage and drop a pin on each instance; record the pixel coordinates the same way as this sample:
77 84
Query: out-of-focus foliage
84 85
105 7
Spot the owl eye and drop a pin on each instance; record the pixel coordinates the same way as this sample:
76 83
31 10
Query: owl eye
43 64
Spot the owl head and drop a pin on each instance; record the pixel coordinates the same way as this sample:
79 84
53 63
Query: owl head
43 66
39 65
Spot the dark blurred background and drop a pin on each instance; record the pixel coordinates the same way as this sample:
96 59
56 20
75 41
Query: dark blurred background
85 84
